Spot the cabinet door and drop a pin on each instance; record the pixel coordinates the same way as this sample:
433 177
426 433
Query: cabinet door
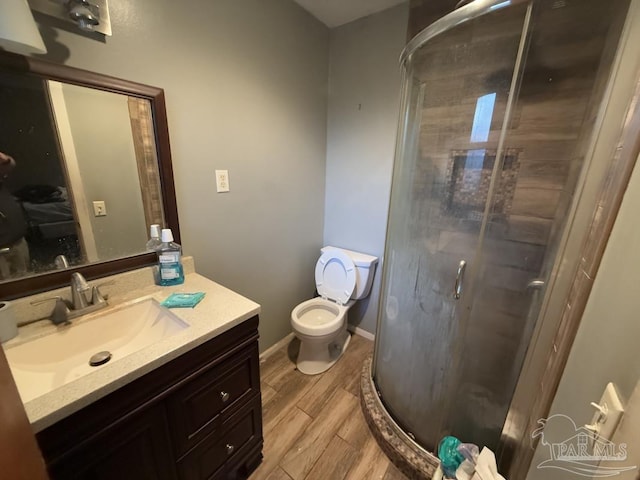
139 449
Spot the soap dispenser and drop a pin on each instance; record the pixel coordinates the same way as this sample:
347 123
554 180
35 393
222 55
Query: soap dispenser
169 260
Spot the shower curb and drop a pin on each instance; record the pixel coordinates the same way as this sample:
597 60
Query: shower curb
411 460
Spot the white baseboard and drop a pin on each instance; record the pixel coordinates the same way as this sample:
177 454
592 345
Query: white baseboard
361 332
272 349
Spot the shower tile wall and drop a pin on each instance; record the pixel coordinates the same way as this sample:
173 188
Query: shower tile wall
424 12
547 137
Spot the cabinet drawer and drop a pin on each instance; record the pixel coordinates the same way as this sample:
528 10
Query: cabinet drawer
199 408
216 453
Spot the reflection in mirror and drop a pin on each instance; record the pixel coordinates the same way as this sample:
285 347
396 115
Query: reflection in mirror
84 186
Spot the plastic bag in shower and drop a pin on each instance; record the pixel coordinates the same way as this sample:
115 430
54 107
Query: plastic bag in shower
450 457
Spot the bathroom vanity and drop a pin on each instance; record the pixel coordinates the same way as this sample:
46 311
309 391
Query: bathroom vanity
186 406
197 417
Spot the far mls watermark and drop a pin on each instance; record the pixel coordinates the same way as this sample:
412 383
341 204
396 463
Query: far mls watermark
578 450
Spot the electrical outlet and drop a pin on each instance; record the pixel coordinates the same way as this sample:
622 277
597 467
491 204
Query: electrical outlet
99 208
222 181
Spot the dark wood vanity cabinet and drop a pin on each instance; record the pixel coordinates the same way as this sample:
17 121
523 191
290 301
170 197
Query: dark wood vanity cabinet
197 417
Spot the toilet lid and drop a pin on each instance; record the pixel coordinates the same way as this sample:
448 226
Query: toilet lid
335 276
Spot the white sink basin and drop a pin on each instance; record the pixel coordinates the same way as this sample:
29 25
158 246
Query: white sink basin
46 363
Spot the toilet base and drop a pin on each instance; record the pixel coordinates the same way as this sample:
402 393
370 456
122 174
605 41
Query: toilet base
316 357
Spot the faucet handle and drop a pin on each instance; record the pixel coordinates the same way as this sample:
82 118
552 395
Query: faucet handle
96 294
60 313
44 300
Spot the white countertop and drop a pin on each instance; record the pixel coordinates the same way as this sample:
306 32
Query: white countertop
219 311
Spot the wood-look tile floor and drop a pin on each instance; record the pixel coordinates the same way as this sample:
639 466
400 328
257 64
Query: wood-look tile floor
313 425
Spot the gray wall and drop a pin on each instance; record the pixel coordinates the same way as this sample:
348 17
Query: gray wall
364 91
246 87
103 142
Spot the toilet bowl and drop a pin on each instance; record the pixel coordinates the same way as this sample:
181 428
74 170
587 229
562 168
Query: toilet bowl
342 277
321 327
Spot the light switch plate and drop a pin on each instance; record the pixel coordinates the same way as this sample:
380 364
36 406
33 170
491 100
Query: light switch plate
607 420
222 181
99 208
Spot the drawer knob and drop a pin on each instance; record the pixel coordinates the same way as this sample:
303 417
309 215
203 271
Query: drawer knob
224 396
230 449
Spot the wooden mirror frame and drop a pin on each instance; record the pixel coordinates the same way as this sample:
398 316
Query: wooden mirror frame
18 64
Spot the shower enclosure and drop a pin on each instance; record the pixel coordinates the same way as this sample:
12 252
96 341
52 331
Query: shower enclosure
498 107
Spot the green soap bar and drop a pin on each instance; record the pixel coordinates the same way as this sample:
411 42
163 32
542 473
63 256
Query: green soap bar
183 300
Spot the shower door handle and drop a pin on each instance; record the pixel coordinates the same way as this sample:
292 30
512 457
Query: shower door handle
457 289
536 284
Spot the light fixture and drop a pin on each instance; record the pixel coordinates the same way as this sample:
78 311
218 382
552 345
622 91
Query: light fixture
88 15
18 30
84 13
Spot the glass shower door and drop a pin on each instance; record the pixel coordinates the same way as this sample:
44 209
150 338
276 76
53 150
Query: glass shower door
570 48
499 115
456 95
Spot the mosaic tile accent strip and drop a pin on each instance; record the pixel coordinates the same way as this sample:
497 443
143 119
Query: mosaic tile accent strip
469 173
410 459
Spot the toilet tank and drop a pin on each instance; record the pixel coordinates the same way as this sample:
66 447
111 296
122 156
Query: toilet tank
365 269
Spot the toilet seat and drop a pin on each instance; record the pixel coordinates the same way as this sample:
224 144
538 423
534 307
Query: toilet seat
335 276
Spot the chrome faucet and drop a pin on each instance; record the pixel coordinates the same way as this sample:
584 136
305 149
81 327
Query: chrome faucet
79 287
63 311
61 262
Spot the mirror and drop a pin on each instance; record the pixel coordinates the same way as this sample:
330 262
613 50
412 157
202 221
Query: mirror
90 171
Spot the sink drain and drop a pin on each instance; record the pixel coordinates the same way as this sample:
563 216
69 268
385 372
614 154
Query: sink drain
100 358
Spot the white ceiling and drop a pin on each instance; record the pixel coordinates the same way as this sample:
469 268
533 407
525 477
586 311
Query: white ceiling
334 13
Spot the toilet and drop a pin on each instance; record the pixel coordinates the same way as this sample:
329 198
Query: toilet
342 277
